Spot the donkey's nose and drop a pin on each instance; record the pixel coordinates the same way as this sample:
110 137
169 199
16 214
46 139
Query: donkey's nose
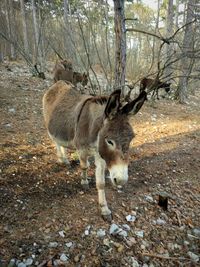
119 182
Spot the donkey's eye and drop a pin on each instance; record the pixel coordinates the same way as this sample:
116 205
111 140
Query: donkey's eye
110 142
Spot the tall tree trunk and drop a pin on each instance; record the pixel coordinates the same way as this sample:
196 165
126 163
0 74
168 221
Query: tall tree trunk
10 25
38 52
67 42
177 14
185 65
169 32
120 49
25 34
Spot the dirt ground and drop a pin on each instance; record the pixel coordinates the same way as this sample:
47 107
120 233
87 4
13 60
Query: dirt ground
48 220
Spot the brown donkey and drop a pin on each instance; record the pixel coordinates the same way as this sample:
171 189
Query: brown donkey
95 126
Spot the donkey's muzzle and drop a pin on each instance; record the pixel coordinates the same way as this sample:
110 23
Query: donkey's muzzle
119 174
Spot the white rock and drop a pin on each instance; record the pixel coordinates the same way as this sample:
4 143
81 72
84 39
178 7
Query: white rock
145 265
193 256
86 232
69 244
64 258
196 232
160 221
130 218
123 233
139 233
53 244
126 227
21 264
134 262
101 233
12 110
148 198
62 233
29 262
114 228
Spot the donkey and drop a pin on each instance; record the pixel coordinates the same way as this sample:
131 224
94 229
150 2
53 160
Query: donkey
80 78
60 68
154 84
95 126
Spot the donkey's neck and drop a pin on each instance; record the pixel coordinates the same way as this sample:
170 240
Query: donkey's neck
89 122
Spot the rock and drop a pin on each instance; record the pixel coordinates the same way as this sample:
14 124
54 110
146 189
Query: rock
139 233
130 218
106 242
126 227
113 228
145 265
21 264
62 233
134 262
53 244
12 263
131 241
12 110
149 199
196 232
193 256
160 221
101 233
69 244
29 262
64 258
77 258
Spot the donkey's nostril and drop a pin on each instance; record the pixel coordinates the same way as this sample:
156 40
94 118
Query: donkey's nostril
115 180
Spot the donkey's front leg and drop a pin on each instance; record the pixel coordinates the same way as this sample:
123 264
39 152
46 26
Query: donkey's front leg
83 157
100 184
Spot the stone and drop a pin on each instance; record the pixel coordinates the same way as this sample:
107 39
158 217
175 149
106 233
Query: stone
12 263
29 262
21 264
160 221
53 244
126 227
130 218
64 258
139 233
62 233
134 262
113 228
69 244
101 233
193 256
196 232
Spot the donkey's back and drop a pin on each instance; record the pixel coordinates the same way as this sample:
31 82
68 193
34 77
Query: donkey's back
61 104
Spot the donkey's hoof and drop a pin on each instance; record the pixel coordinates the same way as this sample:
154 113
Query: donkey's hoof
107 218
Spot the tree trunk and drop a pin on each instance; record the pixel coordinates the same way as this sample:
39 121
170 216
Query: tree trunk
177 14
182 90
25 35
10 25
67 42
169 32
120 49
38 52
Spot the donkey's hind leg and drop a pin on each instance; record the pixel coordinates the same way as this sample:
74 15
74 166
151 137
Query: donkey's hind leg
83 157
61 154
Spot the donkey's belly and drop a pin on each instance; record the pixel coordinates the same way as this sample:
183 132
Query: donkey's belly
61 142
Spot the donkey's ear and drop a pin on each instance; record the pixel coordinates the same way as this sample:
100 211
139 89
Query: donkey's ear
113 104
134 106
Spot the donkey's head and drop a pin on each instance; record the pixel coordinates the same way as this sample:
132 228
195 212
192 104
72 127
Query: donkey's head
116 134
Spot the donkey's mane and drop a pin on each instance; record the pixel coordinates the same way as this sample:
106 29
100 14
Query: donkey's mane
99 99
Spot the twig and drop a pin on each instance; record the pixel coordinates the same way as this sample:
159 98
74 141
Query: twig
178 218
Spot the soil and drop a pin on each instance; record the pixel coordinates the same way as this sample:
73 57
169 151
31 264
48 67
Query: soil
42 201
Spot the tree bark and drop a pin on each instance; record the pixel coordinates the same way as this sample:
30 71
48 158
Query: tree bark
120 49
9 18
169 32
38 52
182 90
25 34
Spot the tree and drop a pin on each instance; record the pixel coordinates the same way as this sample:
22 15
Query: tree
25 35
120 42
187 48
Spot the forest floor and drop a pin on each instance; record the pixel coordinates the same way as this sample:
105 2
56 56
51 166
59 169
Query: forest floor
48 220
